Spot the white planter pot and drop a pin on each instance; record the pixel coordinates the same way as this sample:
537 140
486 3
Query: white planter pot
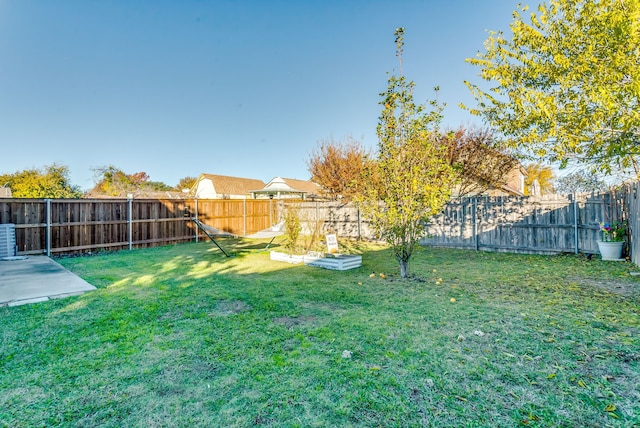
610 250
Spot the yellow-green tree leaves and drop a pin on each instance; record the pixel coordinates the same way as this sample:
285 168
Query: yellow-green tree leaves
411 178
51 181
566 85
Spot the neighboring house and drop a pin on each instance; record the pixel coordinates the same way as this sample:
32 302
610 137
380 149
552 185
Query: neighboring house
5 192
287 188
211 186
514 185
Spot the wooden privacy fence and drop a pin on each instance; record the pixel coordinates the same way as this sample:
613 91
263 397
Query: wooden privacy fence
631 211
81 225
546 225
552 224
329 217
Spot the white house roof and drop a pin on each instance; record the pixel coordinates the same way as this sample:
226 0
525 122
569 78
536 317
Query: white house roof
279 186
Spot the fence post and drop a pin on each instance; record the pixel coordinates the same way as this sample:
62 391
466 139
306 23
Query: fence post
48 227
196 217
575 222
244 217
359 225
130 220
474 208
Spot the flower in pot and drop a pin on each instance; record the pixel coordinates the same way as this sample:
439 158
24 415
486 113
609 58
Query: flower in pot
613 232
612 241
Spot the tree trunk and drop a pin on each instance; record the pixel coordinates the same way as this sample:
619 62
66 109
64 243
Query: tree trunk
404 267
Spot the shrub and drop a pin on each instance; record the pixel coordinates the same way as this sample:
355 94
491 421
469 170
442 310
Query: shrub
292 228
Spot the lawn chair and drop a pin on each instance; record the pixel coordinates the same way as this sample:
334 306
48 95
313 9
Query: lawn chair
213 233
273 232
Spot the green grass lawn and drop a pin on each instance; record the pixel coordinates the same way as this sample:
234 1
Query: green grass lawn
181 336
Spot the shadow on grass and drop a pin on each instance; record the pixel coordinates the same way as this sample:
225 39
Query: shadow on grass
183 335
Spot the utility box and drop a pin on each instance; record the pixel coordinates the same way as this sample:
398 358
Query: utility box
8 246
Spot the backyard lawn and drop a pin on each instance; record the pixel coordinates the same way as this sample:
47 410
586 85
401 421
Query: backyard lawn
182 336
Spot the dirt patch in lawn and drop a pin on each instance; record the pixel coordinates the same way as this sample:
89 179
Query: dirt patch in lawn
626 289
291 322
231 307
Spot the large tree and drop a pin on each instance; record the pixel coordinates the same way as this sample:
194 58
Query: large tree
112 181
478 161
337 166
565 86
51 181
186 183
411 179
579 181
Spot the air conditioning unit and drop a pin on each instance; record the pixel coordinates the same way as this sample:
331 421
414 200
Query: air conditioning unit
8 241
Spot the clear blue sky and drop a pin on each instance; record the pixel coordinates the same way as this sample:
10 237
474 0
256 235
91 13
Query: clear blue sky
243 88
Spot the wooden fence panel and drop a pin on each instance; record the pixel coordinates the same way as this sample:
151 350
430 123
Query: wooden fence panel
550 224
260 215
329 217
516 224
457 226
83 225
547 225
237 216
215 213
80 225
535 225
29 217
632 207
158 222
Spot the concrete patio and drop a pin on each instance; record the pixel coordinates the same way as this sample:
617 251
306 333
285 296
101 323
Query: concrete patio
37 279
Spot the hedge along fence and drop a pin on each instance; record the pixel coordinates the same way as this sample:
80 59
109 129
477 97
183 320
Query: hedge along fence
82 225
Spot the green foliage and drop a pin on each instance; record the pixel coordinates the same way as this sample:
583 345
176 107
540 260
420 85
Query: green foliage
613 232
186 183
52 181
292 227
115 182
411 178
565 85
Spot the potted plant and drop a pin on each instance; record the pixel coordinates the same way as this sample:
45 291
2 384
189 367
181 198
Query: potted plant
612 240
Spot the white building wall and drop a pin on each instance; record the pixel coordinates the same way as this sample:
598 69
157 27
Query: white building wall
205 189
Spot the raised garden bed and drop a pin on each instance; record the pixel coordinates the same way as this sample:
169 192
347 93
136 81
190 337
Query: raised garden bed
334 262
338 262
293 258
